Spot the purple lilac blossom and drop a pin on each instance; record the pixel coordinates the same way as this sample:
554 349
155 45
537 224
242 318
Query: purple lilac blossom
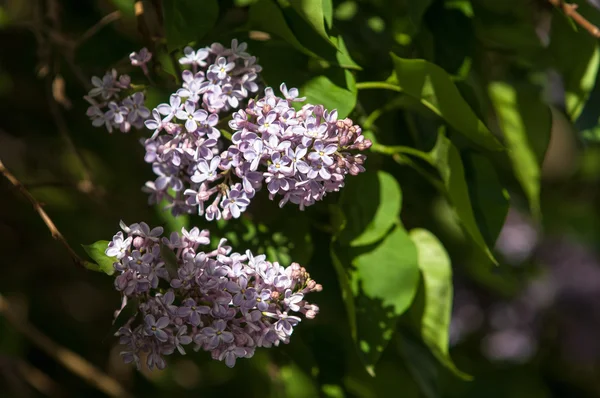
220 77
141 59
110 108
299 155
224 302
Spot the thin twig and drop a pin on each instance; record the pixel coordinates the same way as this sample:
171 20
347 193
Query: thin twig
39 380
42 213
69 359
106 20
570 10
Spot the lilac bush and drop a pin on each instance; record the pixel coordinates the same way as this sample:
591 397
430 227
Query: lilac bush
219 301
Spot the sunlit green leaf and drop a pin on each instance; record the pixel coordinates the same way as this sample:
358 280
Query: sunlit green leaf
296 383
526 124
266 16
431 85
369 217
384 281
343 56
103 263
436 270
321 90
313 12
449 164
328 12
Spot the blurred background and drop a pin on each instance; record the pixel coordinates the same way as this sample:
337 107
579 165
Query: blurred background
529 328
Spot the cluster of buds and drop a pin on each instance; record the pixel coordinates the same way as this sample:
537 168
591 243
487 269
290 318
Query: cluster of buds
223 302
300 155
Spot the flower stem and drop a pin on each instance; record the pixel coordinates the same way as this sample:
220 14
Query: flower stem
377 85
392 150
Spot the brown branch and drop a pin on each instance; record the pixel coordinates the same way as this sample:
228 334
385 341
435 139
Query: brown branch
39 380
106 20
69 359
570 10
42 213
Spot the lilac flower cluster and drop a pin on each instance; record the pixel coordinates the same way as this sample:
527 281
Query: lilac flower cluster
223 302
220 77
109 108
300 155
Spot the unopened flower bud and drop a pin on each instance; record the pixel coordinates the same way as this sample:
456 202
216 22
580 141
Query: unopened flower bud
138 242
354 169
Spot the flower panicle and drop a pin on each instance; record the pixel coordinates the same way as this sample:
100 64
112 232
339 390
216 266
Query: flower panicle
220 301
299 155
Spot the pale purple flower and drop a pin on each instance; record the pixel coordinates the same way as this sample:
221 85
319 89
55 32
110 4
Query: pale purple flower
105 87
104 119
118 246
141 58
221 68
291 94
189 309
292 300
195 58
191 116
231 354
206 171
235 202
239 50
322 153
169 110
216 334
156 328
136 108
181 338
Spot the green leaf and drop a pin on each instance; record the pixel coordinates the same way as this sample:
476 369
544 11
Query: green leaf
344 280
369 217
104 263
447 159
526 123
489 197
436 270
312 12
170 260
321 90
384 281
266 16
172 223
343 56
130 310
421 364
187 20
431 85
328 12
